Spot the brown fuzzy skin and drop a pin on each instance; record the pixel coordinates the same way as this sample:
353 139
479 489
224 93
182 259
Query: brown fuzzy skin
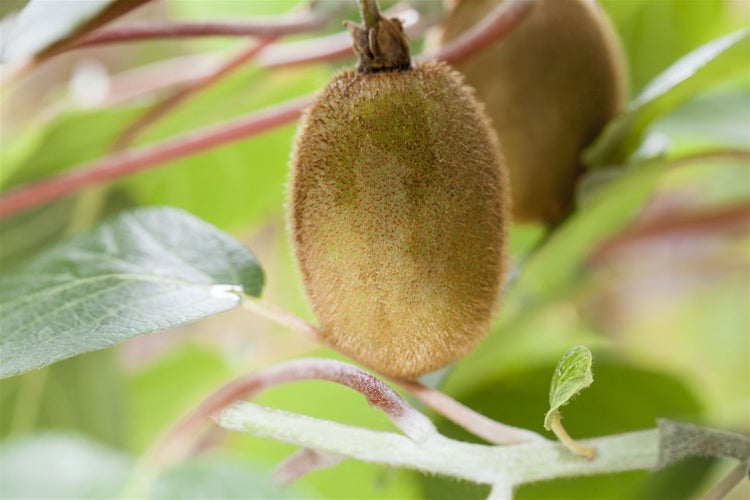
398 202
549 88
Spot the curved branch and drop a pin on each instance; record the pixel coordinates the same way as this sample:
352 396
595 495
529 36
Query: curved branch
176 442
129 162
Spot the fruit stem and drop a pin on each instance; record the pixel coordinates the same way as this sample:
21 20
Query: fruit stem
380 44
370 13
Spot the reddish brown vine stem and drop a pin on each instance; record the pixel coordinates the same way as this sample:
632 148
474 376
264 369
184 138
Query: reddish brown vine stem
126 163
128 136
291 24
177 440
129 162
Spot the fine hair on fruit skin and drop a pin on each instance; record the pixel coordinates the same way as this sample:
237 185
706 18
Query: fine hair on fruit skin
549 87
397 213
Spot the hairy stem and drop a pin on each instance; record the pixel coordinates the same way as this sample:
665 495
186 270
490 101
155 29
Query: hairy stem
177 441
508 465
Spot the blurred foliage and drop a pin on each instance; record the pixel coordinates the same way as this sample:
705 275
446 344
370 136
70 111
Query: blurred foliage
667 318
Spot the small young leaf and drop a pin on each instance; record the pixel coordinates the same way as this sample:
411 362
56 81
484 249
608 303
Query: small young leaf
144 271
708 65
572 375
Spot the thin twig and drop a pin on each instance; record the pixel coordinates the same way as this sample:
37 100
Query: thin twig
575 447
506 17
302 462
129 162
726 485
273 27
281 317
177 441
128 136
476 423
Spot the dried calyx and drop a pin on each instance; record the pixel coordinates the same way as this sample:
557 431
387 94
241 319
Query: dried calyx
380 44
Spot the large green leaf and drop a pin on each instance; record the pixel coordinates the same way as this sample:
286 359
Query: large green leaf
144 271
707 66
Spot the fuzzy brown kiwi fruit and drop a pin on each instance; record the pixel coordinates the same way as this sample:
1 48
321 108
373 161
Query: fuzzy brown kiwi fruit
549 88
397 210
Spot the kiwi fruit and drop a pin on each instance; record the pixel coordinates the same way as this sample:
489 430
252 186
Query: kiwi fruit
397 209
549 87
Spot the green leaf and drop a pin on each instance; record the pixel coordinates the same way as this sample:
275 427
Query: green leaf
572 375
144 271
705 67
57 466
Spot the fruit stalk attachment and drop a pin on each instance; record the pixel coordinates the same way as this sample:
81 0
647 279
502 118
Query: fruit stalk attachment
380 44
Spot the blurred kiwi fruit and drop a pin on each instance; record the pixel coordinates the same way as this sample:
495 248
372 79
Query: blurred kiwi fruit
549 87
398 207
